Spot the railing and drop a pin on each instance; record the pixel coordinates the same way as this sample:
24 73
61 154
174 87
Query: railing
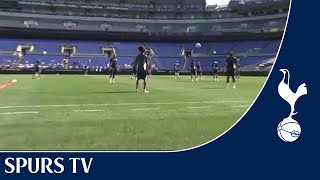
141 20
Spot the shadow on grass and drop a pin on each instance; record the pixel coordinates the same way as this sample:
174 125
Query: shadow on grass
218 88
98 82
115 92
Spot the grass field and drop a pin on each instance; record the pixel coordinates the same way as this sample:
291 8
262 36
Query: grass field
87 113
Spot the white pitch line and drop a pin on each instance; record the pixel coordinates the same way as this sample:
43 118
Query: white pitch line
203 107
13 113
121 104
92 110
145 109
240 106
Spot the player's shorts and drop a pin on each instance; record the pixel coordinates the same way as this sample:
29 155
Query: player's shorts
230 72
114 70
193 72
215 71
36 69
141 75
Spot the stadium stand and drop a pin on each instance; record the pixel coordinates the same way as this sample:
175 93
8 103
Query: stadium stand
146 16
250 28
165 53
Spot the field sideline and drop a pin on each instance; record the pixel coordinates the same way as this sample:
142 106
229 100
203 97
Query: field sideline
72 112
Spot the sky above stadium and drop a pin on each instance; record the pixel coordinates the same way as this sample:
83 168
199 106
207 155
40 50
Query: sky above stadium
218 2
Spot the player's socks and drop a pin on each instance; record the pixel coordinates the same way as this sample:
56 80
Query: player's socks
227 85
113 81
137 90
145 91
234 86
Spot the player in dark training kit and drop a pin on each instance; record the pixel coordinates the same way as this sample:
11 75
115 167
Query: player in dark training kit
176 69
199 69
113 68
231 66
149 69
193 68
36 70
134 70
215 67
238 70
86 68
141 64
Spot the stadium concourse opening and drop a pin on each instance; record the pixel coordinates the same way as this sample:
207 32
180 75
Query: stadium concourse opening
72 85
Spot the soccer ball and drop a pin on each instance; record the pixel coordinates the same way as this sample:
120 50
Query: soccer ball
44 52
214 52
289 130
14 81
198 45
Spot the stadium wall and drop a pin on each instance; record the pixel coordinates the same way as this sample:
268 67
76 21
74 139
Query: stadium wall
124 72
132 36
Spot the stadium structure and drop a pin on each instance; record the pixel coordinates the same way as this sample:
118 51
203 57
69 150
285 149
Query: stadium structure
75 112
251 28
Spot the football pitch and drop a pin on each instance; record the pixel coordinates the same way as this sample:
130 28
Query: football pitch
73 112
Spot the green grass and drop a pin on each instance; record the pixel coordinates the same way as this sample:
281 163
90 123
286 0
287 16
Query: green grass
182 115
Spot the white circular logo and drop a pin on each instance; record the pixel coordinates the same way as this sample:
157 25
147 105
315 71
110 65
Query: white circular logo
289 131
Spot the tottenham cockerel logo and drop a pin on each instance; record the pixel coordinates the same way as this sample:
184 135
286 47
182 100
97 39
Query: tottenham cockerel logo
289 129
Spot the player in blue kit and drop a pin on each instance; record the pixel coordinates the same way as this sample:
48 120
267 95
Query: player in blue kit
141 65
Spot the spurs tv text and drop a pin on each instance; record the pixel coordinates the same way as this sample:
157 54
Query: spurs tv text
46 165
